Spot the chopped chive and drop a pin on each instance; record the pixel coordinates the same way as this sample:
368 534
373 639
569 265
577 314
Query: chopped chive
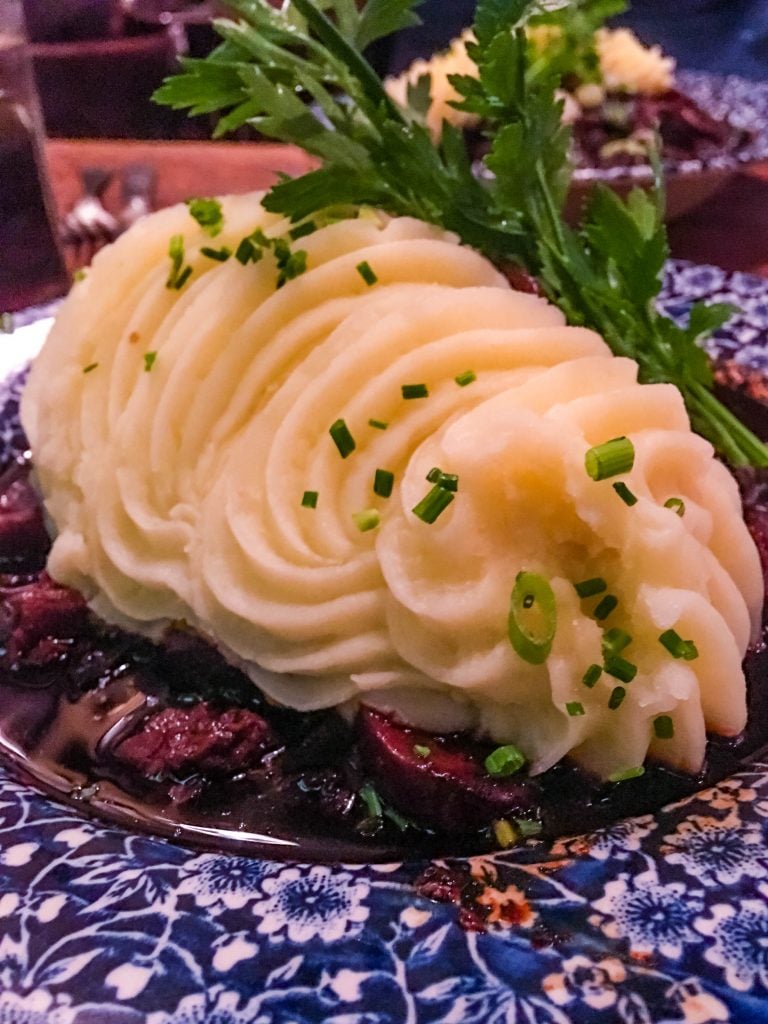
6 323
614 641
618 693
588 588
574 708
383 482
367 274
627 773
90 367
433 504
620 668
663 727
610 459
367 520
183 277
420 750
397 818
294 265
309 499
342 438
176 254
80 274
528 828
220 255
208 214
468 377
605 607
449 481
504 760
378 424
434 475
625 494
532 619
149 360
247 252
506 834
676 504
415 391
370 798
677 647
302 230
591 676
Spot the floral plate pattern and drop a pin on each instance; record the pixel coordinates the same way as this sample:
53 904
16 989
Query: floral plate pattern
659 920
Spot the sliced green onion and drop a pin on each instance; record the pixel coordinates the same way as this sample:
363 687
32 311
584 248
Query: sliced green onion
528 827
183 277
676 504
627 773
625 494
468 377
367 520
663 727
618 693
506 834
371 800
220 255
574 708
302 230
342 438
149 360
294 265
90 367
605 607
420 750
434 475
532 617
397 818
614 641
176 254
610 459
588 588
383 482
504 760
378 424
247 252
433 504
591 676
449 481
208 214
620 668
367 274
414 391
309 499
677 647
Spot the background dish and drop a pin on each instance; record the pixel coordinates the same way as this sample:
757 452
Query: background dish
657 920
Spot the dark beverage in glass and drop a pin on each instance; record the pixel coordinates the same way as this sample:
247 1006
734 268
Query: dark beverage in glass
31 267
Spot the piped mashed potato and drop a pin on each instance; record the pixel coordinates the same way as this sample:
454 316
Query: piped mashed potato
174 472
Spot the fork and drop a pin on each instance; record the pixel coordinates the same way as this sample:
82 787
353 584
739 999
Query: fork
89 226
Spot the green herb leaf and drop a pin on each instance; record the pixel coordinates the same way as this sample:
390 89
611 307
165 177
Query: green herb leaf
208 214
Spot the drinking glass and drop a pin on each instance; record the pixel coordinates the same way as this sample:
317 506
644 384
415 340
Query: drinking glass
31 266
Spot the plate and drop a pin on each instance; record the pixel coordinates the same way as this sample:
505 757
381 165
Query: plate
658 920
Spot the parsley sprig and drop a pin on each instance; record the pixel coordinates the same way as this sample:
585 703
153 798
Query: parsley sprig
298 75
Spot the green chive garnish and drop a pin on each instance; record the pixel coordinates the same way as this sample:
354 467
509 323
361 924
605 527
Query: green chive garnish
588 588
618 693
532 619
342 438
370 798
504 760
397 819
663 727
449 481
620 668
207 213
309 499
605 607
468 377
676 504
420 750
294 265
627 773
149 360
625 494
433 504
176 253
574 708
220 255
247 252
90 367
415 391
505 833
383 482
434 475
378 424
614 641
367 274
302 230
183 277
677 647
610 459
367 520
591 676
528 827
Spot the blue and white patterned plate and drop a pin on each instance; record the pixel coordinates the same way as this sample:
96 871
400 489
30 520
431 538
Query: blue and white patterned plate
658 920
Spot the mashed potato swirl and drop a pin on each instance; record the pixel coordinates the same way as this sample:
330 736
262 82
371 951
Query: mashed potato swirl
175 485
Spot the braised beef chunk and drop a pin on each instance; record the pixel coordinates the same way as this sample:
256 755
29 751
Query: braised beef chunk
37 616
24 543
447 788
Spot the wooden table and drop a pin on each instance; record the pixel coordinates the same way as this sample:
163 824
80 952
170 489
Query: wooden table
730 230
